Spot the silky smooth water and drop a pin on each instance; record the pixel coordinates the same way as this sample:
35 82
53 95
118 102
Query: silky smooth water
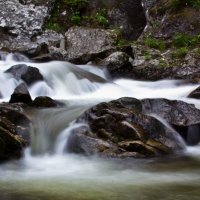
46 172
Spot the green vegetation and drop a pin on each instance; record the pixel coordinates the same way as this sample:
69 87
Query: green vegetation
163 63
101 17
67 13
155 43
76 3
121 42
76 18
54 26
178 4
183 40
147 55
180 53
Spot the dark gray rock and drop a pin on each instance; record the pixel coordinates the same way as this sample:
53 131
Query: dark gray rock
45 102
26 73
21 95
185 118
83 44
119 129
195 94
118 64
14 131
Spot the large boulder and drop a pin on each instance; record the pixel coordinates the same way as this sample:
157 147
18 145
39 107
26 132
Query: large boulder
14 131
83 44
22 27
118 64
184 117
26 73
121 129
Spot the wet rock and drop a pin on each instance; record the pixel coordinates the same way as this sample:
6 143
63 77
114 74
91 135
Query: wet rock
195 94
26 73
123 129
14 131
45 102
21 95
11 145
118 64
83 44
185 118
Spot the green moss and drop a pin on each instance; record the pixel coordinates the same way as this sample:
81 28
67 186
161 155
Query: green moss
155 43
180 53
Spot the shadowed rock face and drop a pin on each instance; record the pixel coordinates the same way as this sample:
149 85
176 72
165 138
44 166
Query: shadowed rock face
195 94
14 131
128 15
120 128
185 118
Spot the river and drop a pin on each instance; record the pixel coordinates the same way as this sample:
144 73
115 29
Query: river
46 172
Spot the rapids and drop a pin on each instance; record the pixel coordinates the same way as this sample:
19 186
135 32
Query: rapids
47 173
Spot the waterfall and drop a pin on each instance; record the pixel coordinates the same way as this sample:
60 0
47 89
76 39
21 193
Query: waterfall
80 87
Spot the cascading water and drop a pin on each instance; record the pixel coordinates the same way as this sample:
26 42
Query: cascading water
46 172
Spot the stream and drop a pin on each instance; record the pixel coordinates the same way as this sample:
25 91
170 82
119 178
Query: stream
46 172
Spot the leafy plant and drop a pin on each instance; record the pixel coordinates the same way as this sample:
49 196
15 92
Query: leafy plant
53 26
121 42
76 3
178 4
183 40
101 17
76 18
180 53
155 43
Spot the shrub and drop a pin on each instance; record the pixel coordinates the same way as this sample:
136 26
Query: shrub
178 4
155 43
76 18
101 17
76 3
183 40
180 53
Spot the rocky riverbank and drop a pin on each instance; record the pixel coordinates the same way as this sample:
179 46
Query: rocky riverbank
145 40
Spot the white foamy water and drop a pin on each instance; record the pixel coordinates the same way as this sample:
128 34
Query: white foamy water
46 172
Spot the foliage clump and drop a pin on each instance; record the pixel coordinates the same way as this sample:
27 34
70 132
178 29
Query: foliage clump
178 4
155 43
